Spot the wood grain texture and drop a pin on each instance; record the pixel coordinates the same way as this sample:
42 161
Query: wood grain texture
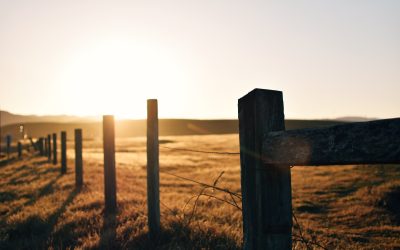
49 147
110 188
63 152
153 189
354 143
266 189
78 159
19 147
55 161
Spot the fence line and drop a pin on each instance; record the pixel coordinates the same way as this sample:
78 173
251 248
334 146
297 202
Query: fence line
265 166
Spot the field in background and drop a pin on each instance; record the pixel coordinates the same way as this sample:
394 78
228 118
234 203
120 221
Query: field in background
349 207
137 128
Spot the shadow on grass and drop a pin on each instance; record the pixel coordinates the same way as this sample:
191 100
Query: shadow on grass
34 232
44 161
45 190
15 171
18 174
391 202
6 161
108 232
177 235
32 197
7 196
311 207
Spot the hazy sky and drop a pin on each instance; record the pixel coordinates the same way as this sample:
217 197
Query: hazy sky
330 58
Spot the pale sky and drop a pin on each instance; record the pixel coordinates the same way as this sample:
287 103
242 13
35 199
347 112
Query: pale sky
330 58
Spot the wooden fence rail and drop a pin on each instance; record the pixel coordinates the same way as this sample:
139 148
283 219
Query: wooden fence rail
355 143
267 151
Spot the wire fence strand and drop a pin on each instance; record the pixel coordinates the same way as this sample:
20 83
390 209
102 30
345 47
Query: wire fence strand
203 184
200 151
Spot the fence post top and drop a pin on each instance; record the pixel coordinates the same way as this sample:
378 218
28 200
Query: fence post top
152 100
255 92
107 117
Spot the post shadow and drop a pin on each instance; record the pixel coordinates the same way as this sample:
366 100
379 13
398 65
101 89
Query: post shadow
108 233
46 227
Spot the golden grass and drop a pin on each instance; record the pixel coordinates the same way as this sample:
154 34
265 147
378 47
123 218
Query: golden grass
350 207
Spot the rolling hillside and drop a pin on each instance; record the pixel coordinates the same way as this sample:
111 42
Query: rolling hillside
133 128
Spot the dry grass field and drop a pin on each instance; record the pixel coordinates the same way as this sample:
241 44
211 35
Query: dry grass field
337 207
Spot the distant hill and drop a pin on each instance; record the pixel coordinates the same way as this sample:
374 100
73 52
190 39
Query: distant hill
355 119
8 118
37 126
132 128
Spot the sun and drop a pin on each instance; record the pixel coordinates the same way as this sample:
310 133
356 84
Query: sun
117 77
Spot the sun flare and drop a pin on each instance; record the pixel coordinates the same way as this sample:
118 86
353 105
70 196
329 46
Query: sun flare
116 77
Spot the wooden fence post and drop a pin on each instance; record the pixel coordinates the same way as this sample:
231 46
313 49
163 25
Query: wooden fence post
153 192
266 189
78 159
55 148
40 146
49 147
110 190
8 140
19 150
43 146
63 152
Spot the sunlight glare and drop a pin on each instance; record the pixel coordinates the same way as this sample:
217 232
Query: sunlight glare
116 77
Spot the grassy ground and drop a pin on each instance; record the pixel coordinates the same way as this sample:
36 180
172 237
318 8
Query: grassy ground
337 207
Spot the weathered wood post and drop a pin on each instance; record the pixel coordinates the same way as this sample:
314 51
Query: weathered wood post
266 189
110 190
153 192
40 146
78 159
8 140
19 149
55 149
44 145
49 147
63 152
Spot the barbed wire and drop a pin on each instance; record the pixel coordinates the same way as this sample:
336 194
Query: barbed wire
203 192
200 151
204 184
232 202
301 237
